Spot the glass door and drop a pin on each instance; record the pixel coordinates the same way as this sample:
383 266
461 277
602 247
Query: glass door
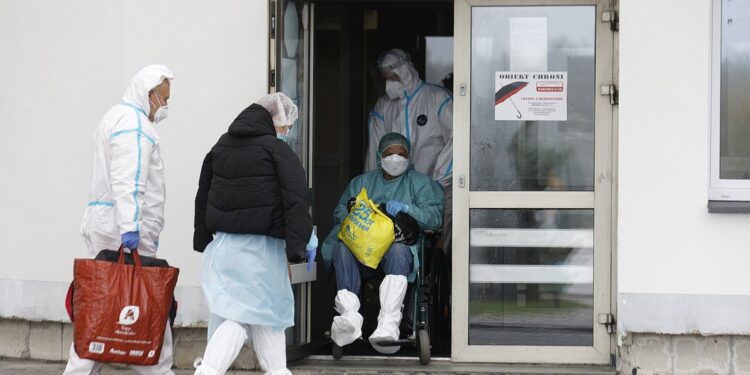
533 181
289 51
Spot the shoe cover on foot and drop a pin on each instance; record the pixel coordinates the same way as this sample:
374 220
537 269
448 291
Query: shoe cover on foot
346 327
222 349
392 293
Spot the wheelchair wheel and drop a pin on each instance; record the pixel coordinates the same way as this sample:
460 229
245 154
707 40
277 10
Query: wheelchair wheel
440 292
337 351
423 341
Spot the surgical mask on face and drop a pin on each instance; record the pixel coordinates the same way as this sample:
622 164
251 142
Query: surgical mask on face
162 112
282 132
395 165
394 89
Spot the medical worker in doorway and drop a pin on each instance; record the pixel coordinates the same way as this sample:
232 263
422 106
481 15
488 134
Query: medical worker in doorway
403 190
421 112
126 200
251 220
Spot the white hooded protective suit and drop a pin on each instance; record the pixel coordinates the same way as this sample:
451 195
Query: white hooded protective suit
423 113
127 182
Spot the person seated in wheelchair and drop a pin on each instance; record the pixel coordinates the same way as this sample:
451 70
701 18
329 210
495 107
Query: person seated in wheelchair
404 191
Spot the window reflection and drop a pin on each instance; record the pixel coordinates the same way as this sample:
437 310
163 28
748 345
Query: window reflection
735 90
533 155
531 277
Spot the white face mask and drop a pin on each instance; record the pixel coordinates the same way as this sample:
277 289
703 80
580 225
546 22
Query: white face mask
162 112
395 165
394 89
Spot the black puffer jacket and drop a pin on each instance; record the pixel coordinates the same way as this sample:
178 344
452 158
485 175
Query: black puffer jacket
253 183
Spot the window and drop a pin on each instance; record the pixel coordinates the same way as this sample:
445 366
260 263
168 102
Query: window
730 107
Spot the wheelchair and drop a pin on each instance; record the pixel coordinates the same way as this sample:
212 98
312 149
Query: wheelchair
423 316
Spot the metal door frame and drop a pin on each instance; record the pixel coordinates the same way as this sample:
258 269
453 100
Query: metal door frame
299 273
600 200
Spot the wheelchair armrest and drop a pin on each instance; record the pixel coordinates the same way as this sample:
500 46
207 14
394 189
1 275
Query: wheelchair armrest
433 232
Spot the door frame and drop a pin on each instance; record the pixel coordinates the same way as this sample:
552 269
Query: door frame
601 199
299 274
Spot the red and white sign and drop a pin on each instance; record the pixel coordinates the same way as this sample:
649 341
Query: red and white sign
531 96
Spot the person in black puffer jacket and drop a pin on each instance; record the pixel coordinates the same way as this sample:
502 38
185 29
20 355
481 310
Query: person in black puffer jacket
251 219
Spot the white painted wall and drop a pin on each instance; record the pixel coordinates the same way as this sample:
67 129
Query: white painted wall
63 65
668 242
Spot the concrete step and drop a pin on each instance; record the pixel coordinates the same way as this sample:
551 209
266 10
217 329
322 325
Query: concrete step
360 366
373 366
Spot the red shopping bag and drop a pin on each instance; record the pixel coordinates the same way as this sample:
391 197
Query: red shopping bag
121 310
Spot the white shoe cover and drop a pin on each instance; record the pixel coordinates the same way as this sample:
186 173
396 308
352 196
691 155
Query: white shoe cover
392 293
270 348
346 327
222 349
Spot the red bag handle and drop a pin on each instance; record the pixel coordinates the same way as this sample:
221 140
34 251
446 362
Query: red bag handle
136 257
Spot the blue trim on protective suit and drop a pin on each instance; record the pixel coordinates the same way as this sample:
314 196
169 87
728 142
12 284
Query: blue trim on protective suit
139 133
418 89
121 132
406 108
378 115
406 119
100 203
137 108
449 170
443 104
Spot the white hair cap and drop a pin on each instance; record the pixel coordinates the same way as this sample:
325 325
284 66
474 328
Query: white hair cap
282 109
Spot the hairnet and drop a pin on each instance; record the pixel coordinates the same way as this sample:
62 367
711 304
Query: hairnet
391 139
399 62
282 109
143 82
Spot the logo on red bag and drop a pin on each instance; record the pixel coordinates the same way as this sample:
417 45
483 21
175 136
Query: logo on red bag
129 315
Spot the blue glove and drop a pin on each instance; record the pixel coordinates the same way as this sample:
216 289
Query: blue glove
130 240
311 248
394 207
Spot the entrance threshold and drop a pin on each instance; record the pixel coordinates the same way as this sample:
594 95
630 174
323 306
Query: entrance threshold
404 365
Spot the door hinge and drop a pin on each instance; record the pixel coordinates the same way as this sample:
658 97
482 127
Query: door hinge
272 78
610 90
272 10
609 321
612 18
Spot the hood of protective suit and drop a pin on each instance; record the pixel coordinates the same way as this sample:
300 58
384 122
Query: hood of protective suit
143 82
399 62
389 140
252 122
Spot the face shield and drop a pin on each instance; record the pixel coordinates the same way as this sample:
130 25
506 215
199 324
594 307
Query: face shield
398 62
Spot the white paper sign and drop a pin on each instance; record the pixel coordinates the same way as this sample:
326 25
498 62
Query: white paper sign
528 43
531 96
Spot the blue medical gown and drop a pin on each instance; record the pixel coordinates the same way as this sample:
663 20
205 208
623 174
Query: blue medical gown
245 279
423 196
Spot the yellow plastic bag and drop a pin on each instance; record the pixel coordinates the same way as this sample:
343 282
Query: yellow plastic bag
366 231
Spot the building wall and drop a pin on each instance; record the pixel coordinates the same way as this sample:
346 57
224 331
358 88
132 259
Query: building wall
64 65
680 269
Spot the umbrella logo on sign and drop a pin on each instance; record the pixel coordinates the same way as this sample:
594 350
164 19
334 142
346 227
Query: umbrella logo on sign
506 92
129 315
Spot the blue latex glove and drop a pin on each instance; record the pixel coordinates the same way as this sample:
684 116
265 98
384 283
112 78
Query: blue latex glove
130 240
394 207
311 248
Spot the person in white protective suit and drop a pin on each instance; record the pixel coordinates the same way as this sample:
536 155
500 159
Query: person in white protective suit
421 112
126 200
251 220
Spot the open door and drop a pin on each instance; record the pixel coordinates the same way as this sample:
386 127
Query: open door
289 62
532 181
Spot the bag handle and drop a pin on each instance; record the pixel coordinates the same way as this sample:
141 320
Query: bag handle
134 252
